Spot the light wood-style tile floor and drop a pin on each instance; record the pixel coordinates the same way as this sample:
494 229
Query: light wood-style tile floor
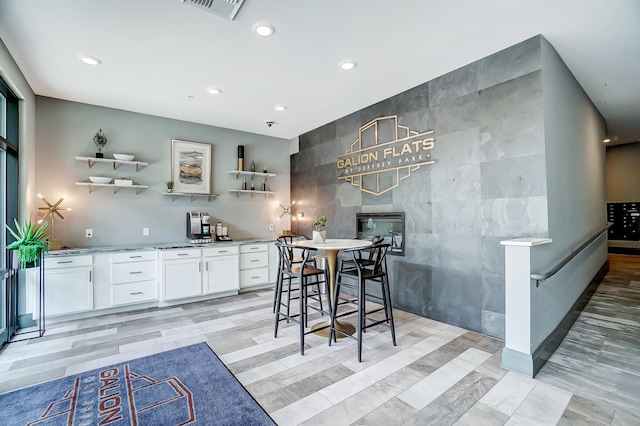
437 374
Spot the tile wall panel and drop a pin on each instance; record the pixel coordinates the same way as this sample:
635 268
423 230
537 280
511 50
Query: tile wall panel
488 183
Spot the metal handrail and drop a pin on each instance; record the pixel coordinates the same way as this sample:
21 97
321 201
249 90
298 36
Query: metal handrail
567 259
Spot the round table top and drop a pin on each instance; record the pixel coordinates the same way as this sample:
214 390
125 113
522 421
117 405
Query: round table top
334 244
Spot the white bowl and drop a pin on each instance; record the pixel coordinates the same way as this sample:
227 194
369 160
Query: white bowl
99 179
124 157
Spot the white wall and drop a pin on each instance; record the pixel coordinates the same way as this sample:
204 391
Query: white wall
66 129
12 75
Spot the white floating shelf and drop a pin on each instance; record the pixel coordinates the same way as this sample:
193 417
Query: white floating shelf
93 186
115 163
193 196
239 173
250 191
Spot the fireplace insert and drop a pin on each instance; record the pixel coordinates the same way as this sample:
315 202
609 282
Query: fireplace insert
388 225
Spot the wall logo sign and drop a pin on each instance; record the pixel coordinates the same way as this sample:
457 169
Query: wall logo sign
384 154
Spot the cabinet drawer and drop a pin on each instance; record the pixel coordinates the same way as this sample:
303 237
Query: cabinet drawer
56 262
134 256
251 248
180 254
254 260
219 251
133 271
143 291
250 277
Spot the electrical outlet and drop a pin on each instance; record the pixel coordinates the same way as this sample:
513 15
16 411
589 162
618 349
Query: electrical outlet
270 227
88 233
145 232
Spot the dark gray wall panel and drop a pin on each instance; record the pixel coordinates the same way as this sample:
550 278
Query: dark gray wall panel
488 183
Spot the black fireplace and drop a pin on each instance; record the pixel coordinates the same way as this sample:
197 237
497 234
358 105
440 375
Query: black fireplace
388 225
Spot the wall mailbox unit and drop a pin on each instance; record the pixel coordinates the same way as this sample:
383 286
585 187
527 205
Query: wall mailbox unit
626 221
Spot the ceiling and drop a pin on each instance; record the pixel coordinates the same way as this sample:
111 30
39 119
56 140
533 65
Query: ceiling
159 56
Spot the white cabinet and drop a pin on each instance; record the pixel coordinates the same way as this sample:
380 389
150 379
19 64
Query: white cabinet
254 265
68 284
221 273
134 277
181 273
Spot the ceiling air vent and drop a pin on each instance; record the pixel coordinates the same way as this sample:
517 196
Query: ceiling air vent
224 8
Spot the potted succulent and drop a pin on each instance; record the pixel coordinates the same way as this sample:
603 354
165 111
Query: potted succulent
30 240
169 185
319 234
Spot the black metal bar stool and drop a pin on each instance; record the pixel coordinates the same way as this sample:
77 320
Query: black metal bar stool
366 270
284 239
300 278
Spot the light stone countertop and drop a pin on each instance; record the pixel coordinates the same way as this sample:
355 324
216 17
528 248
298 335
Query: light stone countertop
151 247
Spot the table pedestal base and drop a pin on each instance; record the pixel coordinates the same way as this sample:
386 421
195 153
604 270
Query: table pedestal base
342 326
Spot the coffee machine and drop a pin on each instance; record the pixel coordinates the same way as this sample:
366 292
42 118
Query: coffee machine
198 227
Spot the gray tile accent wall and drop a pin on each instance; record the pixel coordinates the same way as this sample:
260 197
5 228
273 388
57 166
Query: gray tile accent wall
488 184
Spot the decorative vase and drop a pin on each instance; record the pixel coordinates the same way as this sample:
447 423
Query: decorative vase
319 237
240 157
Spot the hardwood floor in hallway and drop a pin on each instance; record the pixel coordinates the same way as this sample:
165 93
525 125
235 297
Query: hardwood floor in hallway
437 374
600 357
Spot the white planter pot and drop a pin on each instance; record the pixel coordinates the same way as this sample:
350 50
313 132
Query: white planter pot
319 237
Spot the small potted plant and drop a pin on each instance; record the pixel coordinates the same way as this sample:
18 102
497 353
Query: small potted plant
319 234
30 240
169 185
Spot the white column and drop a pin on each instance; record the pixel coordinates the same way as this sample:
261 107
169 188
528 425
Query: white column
517 354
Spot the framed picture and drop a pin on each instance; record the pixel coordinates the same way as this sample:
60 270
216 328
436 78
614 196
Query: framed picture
191 167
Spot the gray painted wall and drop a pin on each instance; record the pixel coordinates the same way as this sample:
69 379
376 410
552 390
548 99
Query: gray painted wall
66 129
575 163
623 173
488 184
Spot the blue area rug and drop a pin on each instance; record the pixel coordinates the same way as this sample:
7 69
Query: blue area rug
184 386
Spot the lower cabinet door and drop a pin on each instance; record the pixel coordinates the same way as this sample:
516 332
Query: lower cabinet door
181 278
68 290
221 274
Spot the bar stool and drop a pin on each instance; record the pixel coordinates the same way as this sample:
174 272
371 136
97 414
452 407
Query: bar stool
284 239
357 279
367 260
305 276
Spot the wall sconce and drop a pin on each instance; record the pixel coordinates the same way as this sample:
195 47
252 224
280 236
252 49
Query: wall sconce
287 211
52 210
300 215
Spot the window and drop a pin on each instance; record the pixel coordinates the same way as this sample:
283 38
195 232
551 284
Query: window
9 182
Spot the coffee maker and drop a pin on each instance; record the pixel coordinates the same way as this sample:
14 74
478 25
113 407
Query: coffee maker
198 227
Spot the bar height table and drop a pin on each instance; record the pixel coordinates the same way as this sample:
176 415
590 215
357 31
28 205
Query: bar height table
331 247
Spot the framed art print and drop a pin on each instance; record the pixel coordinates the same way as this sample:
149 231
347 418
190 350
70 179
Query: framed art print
191 167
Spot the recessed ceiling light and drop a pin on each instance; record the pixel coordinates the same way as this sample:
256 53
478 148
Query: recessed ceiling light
214 91
279 107
606 140
264 29
90 60
348 64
